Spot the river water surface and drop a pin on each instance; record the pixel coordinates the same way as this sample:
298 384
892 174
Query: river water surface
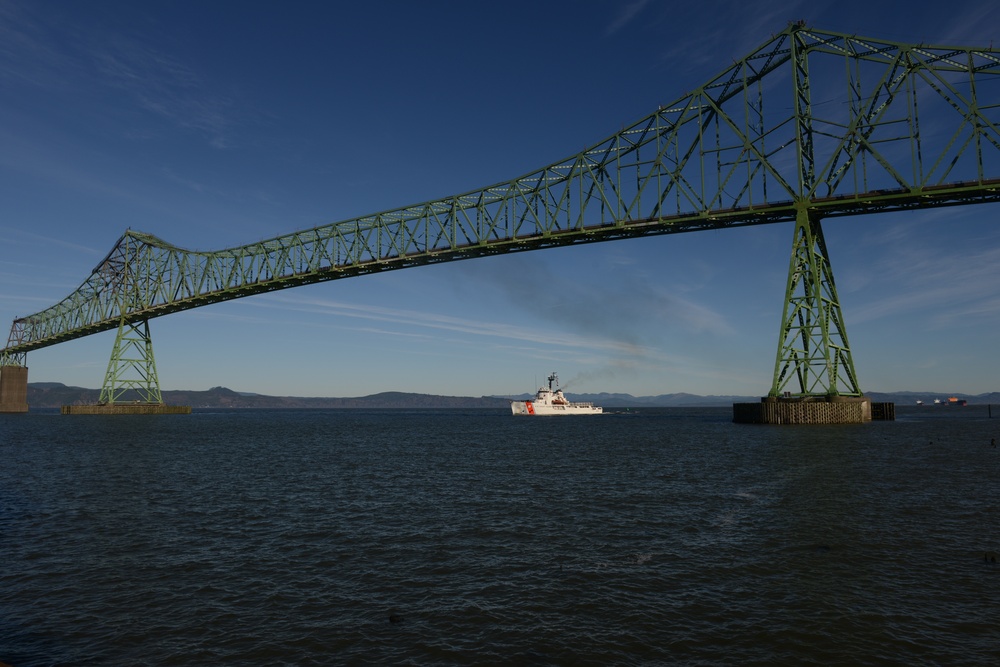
455 537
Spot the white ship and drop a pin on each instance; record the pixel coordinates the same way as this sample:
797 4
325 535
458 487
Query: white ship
551 401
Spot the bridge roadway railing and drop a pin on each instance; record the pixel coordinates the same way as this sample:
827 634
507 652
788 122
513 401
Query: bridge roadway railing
832 123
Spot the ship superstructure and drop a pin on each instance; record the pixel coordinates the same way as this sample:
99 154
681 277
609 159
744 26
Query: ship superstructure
551 401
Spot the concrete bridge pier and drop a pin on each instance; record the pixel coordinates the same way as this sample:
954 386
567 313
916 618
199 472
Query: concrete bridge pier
13 389
813 410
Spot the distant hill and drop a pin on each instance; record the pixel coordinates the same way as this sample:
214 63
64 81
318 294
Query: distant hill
681 400
55 394
911 397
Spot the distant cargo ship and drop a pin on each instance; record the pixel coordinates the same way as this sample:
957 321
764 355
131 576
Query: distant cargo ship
950 401
551 401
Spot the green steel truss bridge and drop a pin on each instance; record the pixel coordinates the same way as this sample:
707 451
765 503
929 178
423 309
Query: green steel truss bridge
811 125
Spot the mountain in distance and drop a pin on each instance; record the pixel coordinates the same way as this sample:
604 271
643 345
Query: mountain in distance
56 394
928 397
679 400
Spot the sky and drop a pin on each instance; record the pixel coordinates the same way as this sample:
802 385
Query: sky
216 124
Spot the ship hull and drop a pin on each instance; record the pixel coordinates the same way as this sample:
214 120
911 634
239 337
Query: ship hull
534 409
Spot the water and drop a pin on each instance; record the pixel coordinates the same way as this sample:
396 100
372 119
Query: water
457 537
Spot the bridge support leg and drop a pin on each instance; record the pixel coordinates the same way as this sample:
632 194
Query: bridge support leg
13 388
814 379
130 385
812 346
131 375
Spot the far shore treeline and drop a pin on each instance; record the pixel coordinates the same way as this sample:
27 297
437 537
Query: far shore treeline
55 394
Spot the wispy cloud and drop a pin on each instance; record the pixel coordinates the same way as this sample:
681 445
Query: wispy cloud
14 235
27 56
163 85
171 175
704 39
46 51
626 14
971 25
437 321
607 359
57 166
24 299
622 311
946 285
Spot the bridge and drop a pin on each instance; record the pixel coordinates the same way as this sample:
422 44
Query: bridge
811 125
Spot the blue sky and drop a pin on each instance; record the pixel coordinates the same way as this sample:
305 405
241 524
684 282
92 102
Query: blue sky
214 124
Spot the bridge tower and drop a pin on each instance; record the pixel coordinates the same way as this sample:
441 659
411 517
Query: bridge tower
131 384
131 371
814 377
814 357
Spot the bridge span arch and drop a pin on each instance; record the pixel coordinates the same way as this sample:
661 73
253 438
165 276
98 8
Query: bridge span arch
911 128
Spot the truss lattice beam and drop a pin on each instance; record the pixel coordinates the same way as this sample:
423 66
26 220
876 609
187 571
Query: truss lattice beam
812 120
